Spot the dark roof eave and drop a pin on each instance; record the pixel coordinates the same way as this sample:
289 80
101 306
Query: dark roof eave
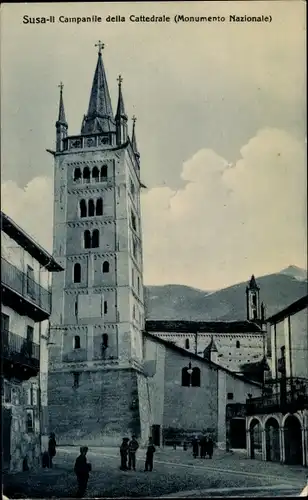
24 240
291 309
199 358
186 326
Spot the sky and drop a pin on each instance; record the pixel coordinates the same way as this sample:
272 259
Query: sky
221 128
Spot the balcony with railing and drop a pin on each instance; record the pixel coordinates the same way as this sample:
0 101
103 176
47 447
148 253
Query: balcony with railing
289 395
20 357
24 294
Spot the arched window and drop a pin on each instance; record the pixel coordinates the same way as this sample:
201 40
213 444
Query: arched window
254 299
133 219
186 343
77 174
86 174
105 307
105 267
104 172
99 206
95 174
195 377
76 342
77 273
185 377
91 208
87 239
83 208
138 284
105 340
238 344
95 238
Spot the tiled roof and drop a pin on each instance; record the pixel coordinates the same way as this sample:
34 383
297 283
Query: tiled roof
293 308
185 326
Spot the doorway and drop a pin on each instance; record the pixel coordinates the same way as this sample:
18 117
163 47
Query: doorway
156 435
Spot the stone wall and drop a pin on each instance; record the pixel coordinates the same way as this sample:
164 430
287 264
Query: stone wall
101 411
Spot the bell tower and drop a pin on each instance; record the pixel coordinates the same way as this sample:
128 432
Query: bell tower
253 300
97 387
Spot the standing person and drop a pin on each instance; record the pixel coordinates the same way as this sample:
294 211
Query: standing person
132 449
51 448
124 453
195 446
203 447
82 469
210 447
149 456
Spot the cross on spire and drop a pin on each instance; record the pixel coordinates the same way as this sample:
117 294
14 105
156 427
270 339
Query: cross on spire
61 86
120 79
100 46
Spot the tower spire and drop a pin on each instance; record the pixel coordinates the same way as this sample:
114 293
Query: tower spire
61 123
121 117
100 116
134 140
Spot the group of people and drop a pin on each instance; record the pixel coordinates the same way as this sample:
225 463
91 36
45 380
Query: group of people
128 450
204 445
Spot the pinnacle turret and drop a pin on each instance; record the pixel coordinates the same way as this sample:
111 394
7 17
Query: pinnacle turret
61 123
121 117
134 140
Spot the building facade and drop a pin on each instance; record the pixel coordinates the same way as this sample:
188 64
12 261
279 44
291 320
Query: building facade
189 395
25 309
230 344
96 359
277 423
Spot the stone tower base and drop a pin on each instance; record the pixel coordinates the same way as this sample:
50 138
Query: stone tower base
106 406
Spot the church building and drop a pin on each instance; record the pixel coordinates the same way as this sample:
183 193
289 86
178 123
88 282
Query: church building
96 382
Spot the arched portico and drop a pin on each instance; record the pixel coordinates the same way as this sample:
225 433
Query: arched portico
272 439
255 433
294 439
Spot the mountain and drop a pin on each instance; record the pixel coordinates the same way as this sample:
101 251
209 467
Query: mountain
183 302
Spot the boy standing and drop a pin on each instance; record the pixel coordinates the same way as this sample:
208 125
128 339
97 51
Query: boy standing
124 453
132 449
82 469
149 456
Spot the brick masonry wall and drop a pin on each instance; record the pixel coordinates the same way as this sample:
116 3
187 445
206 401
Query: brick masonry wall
102 410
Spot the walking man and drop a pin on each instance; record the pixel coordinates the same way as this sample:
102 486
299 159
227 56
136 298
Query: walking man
149 456
82 469
132 449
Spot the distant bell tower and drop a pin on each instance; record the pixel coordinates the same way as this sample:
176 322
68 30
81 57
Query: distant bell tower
253 300
97 387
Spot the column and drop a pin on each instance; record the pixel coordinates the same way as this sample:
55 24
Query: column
263 436
248 442
281 445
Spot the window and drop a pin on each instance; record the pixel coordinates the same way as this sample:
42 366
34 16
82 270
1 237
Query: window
254 299
230 396
104 172
7 392
133 219
186 343
134 312
77 175
5 322
76 307
105 307
134 249
132 188
95 174
105 340
86 175
99 206
95 238
91 208
133 277
34 396
29 421
255 314
87 239
138 284
185 377
30 281
76 342
238 344
76 379
105 267
195 377
83 208
77 273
